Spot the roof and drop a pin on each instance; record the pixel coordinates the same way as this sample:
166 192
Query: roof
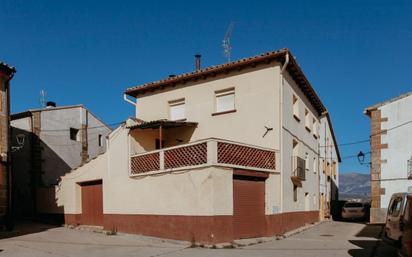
9 70
280 55
28 113
19 115
333 136
376 106
163 123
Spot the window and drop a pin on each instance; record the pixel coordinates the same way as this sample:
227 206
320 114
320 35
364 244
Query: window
395 207
100 139
295 193
409 171
74 134
177 109
307 120
315 127
315 165
225 100
307 161
295 147
295 102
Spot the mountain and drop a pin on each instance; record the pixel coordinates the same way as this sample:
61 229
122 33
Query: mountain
354 185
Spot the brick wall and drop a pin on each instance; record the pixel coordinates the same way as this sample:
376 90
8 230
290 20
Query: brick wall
376 161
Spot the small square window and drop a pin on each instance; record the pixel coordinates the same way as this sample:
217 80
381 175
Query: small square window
74 134
177 109
225 100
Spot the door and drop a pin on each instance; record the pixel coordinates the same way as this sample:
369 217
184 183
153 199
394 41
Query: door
248 207
92 203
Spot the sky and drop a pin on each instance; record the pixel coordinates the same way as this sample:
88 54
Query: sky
355 53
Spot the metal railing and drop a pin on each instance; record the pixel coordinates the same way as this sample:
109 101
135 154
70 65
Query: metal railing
299 167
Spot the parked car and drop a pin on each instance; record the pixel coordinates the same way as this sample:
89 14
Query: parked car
394 216
353 210
406 226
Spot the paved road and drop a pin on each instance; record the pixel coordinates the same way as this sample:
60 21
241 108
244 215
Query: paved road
326 239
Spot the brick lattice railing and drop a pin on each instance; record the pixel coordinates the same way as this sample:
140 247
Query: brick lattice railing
186 156
145 163
222 152
240 155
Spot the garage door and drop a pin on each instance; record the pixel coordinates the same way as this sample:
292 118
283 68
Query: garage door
248 207
92 203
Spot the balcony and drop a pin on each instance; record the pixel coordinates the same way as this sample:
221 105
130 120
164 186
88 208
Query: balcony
208 152
298 170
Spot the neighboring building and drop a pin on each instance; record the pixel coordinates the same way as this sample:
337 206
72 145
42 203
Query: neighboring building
391 152
6 75
329 166
48 143
230 151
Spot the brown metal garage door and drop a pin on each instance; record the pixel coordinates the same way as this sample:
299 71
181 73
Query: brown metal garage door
92 203
248 207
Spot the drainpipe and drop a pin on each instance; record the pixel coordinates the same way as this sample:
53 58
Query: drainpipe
281 126
130 102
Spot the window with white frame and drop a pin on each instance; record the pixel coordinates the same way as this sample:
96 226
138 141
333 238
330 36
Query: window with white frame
225 100
177 109
295 102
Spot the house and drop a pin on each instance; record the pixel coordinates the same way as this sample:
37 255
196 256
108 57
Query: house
391 152
225 152
48 143
6 75
329 159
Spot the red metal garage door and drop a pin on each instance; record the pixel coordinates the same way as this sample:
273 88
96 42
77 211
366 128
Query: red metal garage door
92 203
248 207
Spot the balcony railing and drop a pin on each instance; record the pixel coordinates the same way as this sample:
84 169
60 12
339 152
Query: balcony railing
299 168
212 151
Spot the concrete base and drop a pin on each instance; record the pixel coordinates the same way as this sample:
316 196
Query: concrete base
378 215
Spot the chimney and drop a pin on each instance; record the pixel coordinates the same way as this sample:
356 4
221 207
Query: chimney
197 61
50 104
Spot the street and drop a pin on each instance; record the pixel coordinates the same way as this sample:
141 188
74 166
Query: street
326 239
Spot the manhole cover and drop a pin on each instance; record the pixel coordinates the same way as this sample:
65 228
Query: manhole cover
326 235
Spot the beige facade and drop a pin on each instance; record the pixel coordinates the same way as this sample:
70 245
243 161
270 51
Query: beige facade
185 170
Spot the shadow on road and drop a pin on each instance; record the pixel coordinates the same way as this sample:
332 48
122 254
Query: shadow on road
24 228
375 248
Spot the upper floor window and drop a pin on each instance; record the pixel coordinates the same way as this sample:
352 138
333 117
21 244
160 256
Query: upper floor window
315 127
177 109
100 140
74 134
295 102
315 165
225 100
307 120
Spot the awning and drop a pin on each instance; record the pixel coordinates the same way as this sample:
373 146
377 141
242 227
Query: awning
165 124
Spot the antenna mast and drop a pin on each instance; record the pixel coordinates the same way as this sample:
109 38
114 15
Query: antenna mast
43 98
227 47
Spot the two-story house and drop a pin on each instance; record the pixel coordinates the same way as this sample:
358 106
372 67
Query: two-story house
48 143
391 152
6 75
225 152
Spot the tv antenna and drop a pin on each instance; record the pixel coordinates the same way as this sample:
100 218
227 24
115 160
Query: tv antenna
227 46
43 98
